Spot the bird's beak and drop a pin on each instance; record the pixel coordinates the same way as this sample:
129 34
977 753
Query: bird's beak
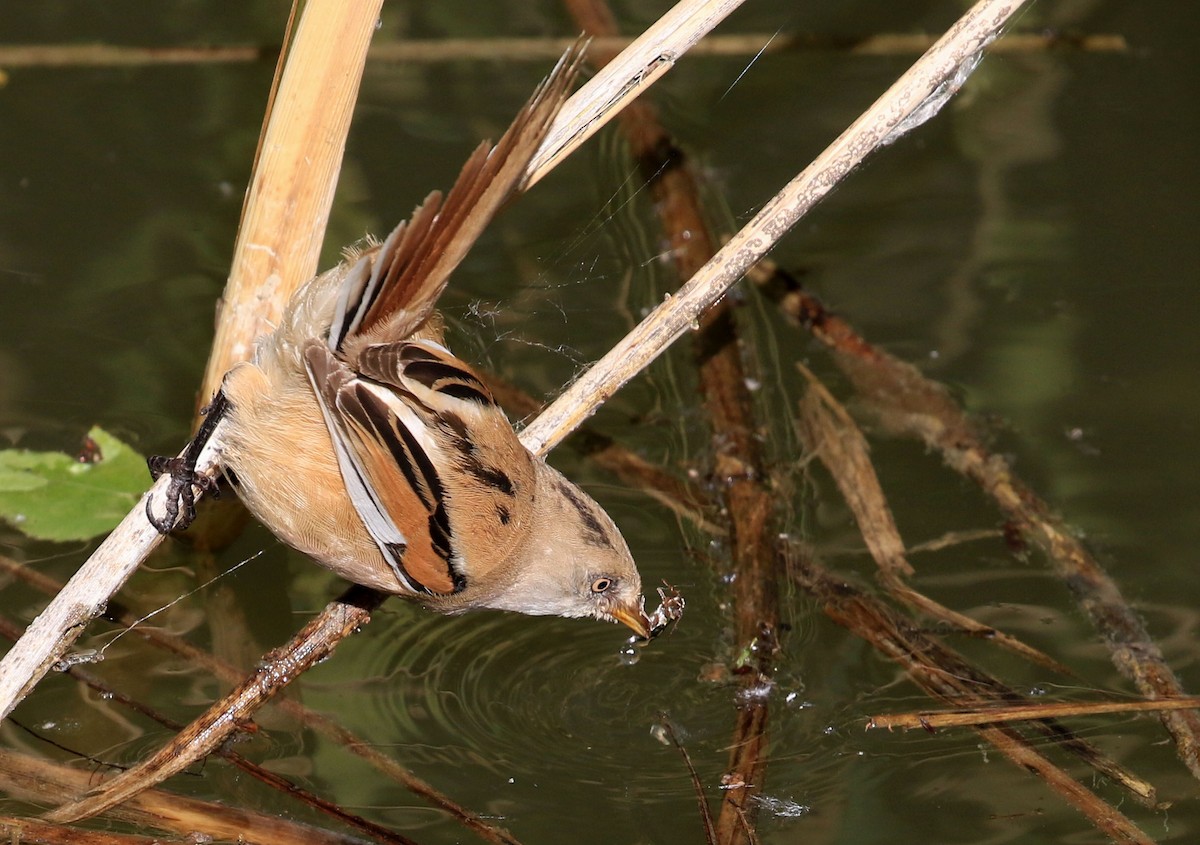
633 616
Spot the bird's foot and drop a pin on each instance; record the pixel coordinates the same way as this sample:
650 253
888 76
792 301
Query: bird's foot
180 510
186 483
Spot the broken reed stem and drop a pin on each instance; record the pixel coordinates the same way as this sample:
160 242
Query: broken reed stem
943 673
738 461
627 75
909 404
445 50
931 719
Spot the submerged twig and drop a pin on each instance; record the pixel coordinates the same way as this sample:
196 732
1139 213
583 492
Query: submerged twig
944 674
710 833
40 781
910 404
311 645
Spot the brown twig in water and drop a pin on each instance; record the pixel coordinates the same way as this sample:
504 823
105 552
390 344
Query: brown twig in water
11 631
969 717
312 644
39 781
710 833
909 404
738 461
829 432
944 674
30 832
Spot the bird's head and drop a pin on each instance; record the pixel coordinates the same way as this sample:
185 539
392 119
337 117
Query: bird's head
574 562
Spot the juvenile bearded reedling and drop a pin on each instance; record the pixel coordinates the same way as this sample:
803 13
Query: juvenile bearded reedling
358 438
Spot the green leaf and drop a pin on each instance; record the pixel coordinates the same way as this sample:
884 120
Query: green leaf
54 496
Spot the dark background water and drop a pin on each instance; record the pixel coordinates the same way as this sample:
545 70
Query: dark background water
1034 247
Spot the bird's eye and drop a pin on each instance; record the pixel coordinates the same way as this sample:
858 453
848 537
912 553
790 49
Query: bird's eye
602 585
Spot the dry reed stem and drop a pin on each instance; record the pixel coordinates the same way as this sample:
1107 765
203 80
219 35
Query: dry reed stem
39 781
627 75
931 719
294 177
445 50
943 674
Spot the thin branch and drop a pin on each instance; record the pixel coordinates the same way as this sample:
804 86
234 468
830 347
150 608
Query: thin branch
970 717
710 833
944 674
446 50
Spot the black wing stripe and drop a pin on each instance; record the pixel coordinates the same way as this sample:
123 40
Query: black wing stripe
411 459
450 380
418 470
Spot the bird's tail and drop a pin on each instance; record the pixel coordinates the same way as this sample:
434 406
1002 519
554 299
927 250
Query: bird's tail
394 289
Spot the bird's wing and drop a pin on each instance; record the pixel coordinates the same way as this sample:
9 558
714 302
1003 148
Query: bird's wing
432 465
392 483
411 268
487 477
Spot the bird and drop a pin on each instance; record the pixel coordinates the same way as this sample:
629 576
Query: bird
358 438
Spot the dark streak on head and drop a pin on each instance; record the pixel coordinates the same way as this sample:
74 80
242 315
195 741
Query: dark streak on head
596 535
503 514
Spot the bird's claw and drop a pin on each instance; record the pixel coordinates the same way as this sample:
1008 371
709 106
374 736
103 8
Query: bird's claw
180 509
